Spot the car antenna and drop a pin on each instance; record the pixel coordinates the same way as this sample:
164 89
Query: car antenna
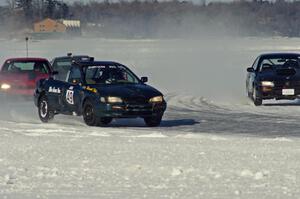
26 40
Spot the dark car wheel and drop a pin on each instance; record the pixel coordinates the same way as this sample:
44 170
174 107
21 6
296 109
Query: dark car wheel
104 121
89 115
45 113
256 99
153 121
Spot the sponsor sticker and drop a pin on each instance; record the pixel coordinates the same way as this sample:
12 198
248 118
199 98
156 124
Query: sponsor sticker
96 67
54 90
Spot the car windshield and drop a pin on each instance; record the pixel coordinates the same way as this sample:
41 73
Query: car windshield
274 63
109 74
25 66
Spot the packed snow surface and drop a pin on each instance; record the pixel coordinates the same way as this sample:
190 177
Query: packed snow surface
212 143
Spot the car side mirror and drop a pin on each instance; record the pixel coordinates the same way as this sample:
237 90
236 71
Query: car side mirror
250 70
144 79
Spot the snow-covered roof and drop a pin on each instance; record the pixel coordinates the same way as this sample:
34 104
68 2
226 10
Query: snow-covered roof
71 23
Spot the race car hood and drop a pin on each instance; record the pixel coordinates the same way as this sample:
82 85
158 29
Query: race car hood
24 79
127 90
281 74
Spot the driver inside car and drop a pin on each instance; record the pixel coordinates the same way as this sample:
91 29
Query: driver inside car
115 75
266 66
38 67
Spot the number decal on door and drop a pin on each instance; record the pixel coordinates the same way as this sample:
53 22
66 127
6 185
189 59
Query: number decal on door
70 96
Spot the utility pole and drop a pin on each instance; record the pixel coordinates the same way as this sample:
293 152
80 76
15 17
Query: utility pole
26 39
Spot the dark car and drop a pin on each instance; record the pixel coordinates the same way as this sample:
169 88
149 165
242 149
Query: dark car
100 91
274 76
63 64
18 76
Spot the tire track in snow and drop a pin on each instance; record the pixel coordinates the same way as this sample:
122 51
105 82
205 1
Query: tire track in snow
185 115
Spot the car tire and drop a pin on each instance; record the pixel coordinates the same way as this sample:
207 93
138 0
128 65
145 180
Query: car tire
45 113
256 99
104 121
153 121
89 116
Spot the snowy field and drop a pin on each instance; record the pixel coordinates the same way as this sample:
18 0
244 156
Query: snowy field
213 143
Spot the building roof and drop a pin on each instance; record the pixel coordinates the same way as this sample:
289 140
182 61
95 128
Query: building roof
46 19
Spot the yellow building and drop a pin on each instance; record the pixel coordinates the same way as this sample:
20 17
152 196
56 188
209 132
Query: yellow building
48 25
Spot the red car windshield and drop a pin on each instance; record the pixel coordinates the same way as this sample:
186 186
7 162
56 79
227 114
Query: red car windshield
26 66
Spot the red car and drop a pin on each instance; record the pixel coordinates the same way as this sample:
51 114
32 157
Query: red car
18 76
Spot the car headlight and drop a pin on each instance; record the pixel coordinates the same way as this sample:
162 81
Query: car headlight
267 83
5 86
156 99
114 100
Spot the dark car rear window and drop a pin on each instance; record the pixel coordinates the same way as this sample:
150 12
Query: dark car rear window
26 66
62 65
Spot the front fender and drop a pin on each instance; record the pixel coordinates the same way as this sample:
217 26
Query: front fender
92 97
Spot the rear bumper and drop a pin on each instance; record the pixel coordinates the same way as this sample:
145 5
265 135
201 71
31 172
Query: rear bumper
131 111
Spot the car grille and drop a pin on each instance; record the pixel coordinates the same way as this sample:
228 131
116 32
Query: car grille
136 100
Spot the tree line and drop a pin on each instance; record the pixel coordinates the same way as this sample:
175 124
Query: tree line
158 19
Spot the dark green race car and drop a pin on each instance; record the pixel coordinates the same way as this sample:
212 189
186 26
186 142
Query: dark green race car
100 91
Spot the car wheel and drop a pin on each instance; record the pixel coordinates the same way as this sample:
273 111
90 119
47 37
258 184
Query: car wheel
256 100
45 113
104 121
89 115
153 121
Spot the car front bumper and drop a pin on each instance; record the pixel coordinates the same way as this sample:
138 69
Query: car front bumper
277 92
131 111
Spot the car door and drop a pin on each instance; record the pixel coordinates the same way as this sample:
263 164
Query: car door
54 92
72 91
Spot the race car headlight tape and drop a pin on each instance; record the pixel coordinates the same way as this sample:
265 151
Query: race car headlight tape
267 83
5 86
114 100
156 99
